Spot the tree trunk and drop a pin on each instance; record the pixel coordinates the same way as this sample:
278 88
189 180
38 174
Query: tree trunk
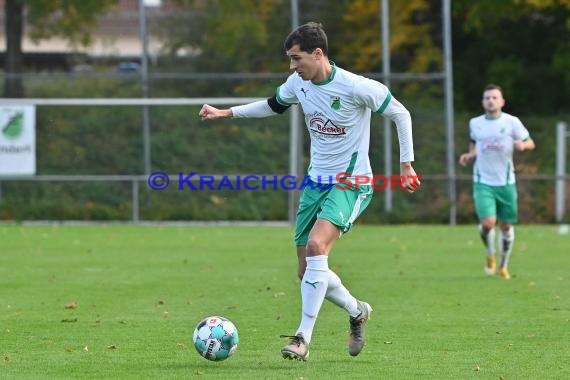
14 13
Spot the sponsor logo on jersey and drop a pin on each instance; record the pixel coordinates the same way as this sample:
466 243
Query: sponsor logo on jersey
493 145
320 125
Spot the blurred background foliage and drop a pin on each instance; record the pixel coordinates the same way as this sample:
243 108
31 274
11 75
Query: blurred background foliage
522 45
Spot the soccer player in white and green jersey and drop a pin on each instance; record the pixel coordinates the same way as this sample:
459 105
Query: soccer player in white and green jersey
337 105
494 137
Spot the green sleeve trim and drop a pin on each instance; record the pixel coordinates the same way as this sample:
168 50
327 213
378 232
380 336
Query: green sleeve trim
385 104
281 101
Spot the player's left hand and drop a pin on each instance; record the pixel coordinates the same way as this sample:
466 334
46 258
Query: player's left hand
412 180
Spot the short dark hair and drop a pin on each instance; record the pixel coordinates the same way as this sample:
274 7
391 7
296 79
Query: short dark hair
309 37
492 86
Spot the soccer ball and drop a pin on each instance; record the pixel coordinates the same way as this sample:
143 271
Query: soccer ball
216 338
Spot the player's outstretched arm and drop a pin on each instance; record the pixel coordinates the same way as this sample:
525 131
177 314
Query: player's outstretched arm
261 108
211 113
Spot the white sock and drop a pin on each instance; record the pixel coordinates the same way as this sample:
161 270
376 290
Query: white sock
340 296
507 239
313 289
488 240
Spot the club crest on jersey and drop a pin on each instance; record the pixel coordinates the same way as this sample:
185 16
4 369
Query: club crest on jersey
335 103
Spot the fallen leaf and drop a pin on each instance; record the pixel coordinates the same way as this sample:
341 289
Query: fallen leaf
71 305
111 347
6 359
69 320
69 349
181 346
198 373
85 348
387 342
477 368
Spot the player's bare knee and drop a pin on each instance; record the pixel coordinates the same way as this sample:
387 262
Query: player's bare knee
488 225
315 247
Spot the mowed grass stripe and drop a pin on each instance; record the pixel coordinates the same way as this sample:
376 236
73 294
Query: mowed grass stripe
114 301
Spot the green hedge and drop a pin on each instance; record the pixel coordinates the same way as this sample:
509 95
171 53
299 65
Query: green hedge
108 140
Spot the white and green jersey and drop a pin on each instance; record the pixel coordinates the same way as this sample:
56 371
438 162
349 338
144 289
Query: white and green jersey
337 114
493 140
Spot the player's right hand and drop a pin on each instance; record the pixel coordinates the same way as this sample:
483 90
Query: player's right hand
464 159
207 112
210 113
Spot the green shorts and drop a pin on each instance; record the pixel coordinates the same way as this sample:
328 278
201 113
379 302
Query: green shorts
339 206
499 201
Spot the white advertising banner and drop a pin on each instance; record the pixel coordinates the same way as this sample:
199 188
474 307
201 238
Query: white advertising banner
17 140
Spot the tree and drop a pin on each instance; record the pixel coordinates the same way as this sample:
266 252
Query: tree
72 20
522 45
13 11
411 36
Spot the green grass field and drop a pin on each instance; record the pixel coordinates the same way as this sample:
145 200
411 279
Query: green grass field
121 302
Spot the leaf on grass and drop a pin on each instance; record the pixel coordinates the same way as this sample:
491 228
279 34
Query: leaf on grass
69 320
278 294
387 342
165 315
111 347
160 302
181 346
85 348
71 305
477 368
69 349
198 373
6 359
501 377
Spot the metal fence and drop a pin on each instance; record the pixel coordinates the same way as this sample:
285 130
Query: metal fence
295 160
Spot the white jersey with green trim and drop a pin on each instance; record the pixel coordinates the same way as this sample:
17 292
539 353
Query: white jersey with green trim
494 145
337 115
